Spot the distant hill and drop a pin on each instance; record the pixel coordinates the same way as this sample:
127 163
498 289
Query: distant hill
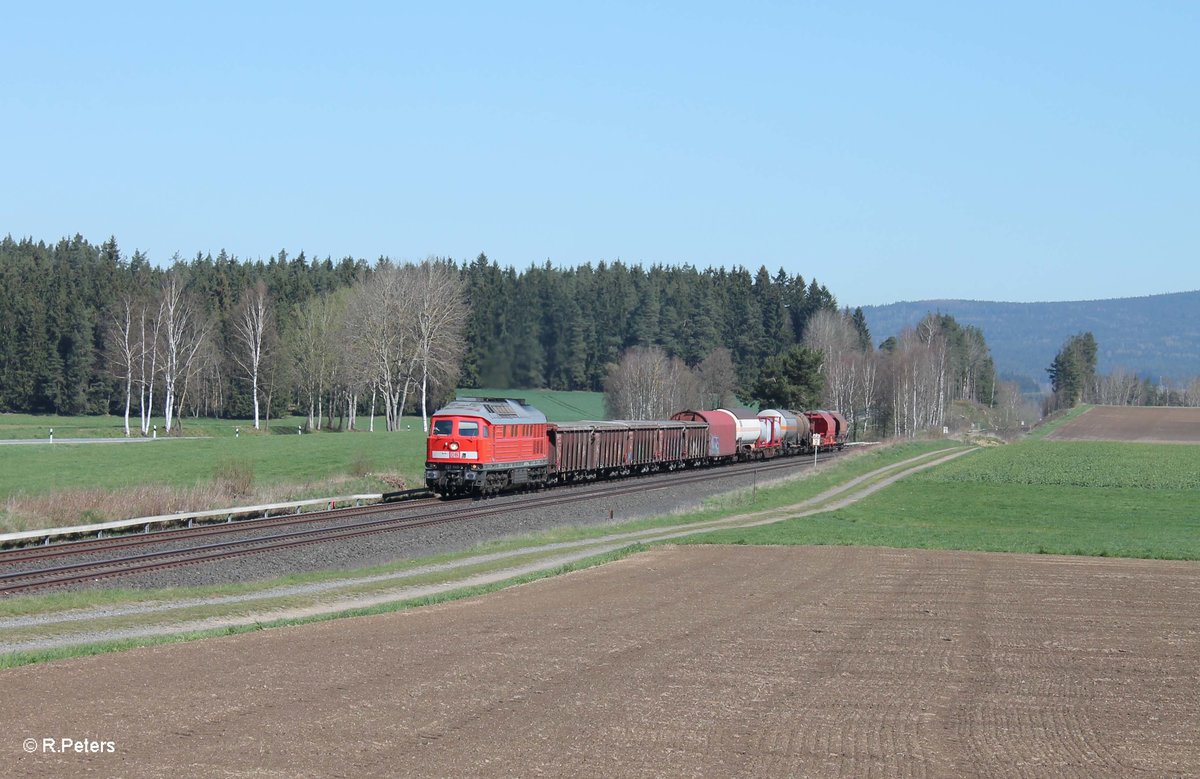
1152 336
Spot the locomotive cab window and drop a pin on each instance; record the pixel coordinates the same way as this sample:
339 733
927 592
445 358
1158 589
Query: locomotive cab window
468 429
443 427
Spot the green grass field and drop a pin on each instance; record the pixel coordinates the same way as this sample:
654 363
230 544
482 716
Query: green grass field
51 485
1119 500
557 406
186 462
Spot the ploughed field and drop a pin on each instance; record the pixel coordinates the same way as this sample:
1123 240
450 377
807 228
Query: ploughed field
1131 423
682 661
837 649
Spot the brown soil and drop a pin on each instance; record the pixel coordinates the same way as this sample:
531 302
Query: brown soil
695 661
1132 423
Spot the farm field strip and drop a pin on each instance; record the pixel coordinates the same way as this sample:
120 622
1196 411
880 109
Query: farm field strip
1081 464
1120 500
1158 425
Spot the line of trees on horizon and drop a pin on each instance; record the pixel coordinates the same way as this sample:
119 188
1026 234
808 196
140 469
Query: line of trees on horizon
906 386
1074 379
85 329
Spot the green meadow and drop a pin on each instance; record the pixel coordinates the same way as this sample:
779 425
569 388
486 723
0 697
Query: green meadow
59 484
1100 499
184 462
557 406
214 463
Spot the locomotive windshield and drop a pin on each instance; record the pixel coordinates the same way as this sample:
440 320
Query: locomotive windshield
443 426
468 429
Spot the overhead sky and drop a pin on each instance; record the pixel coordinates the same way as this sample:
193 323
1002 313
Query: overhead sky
1018 151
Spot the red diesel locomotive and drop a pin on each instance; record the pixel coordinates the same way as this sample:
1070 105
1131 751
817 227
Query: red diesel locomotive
485 445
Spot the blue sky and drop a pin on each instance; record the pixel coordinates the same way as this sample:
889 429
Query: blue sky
895 151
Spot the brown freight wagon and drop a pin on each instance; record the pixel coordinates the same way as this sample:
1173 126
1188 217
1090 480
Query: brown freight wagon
591 449
666 444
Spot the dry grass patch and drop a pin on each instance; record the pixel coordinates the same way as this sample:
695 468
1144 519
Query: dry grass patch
232 485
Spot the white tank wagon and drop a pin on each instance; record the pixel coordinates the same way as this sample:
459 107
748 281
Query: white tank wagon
792 429
752 432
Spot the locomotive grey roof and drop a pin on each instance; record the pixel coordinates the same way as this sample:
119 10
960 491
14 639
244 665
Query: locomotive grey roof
498 411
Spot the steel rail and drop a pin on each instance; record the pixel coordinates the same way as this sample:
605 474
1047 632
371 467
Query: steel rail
170 535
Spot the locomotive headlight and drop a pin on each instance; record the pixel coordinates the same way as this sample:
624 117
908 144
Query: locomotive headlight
454 446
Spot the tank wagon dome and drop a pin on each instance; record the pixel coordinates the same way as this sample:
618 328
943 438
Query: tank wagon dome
498 411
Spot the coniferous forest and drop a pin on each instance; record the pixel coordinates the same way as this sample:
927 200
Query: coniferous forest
559 328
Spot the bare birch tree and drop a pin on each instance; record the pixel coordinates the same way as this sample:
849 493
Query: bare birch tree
717 378
183 335
916 382
382 332
1191 395
203 369
647 384
149 327
829 333
1118 388
124 346
441 316
253 322
850 372
313 351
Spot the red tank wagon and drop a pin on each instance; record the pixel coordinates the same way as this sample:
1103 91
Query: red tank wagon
722 430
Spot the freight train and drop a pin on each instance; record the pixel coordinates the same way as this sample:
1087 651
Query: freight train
484 446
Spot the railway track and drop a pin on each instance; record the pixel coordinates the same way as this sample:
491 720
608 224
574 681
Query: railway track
17 582
172 535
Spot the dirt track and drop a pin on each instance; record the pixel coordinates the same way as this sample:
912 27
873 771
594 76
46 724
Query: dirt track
1132 423
709 661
